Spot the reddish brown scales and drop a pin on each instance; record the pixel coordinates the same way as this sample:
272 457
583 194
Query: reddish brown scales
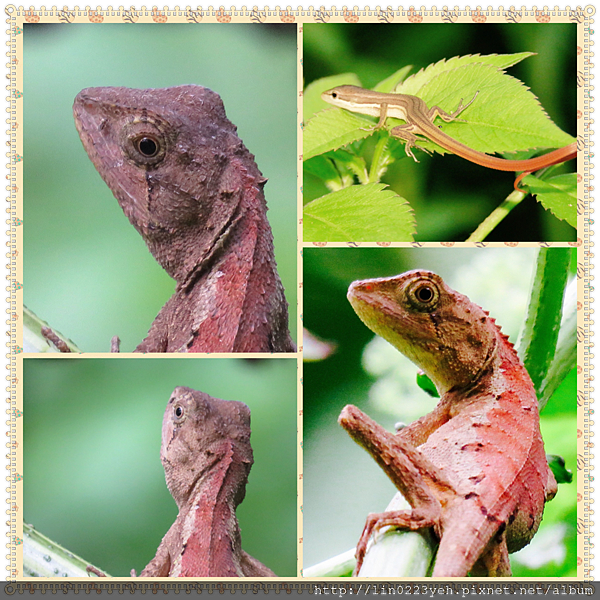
213 547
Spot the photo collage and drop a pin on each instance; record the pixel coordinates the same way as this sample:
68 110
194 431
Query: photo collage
299 294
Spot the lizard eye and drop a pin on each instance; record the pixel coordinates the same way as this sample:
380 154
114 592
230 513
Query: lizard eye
145 143
423 295
179 413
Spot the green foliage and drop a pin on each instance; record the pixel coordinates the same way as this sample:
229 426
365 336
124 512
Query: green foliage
556 194
557 466
541 326
34 341
44 558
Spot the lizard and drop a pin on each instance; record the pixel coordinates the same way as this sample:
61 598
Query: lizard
207 456
419 120
474 469
194 193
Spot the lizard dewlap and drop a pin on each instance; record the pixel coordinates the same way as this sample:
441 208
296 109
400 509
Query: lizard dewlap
474 469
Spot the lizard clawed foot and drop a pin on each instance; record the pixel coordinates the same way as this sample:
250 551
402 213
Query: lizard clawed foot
461 108
361 547
412 520
408 149
373 128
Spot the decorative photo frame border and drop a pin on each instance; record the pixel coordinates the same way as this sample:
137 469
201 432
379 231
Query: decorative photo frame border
18 17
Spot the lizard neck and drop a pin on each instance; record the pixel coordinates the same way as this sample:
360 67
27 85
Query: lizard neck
210 531
237 288
513 375
502 375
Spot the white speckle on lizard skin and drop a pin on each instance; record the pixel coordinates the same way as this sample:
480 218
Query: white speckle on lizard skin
205 310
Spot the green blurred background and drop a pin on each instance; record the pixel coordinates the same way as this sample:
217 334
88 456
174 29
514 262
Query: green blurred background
341 482
451 196
92 477
87 272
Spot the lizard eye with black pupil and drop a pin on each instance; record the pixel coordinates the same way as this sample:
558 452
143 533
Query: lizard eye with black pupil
147 146
424 294
179 412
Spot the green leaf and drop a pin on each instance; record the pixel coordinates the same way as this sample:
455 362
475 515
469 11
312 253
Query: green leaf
505 116
331 129
34 341
323 168
556 194
501 61
44 558
565 357
359 213
389 83
427 385
557 466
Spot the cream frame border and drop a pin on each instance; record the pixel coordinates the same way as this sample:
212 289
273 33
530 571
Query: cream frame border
15 19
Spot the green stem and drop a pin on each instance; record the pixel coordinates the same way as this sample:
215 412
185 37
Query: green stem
495 218
537 341
43 557
34 341
380 160
392 553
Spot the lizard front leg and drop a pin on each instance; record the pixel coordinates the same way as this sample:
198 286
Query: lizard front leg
422 484
160 565
382 117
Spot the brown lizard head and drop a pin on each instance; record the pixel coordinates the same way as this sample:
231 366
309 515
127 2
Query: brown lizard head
170 157
199 434
440 330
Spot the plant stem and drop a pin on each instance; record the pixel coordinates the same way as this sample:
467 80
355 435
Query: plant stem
380 160
494 219
537 341
44 558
